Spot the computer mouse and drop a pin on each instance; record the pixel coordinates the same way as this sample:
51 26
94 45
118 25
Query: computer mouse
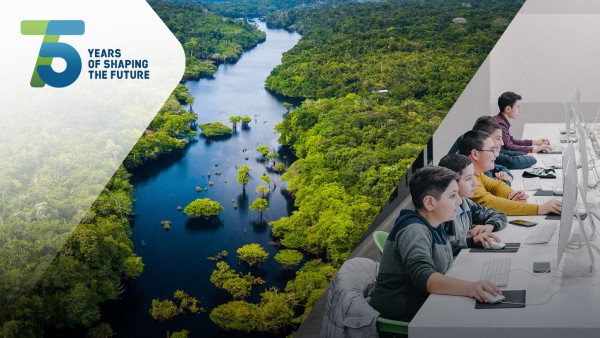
557 191
493 299
497 245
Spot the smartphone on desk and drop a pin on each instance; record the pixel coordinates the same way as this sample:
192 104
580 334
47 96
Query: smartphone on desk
523 223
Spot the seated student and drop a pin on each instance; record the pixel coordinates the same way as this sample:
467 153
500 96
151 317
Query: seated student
510 108
417 252
510 159
480 148
472 219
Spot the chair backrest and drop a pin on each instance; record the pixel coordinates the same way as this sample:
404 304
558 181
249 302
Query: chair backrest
380 237
393 326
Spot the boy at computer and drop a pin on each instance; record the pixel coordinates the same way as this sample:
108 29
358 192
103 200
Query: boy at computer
482 151
511 159
417 252
510 108
472 220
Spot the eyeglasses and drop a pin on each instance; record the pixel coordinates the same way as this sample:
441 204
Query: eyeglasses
492 150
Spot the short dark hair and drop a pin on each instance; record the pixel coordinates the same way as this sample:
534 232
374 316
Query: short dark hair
432 181
488 125
507 99
455 162
473 139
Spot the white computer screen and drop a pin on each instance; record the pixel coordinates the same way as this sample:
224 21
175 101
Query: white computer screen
569 199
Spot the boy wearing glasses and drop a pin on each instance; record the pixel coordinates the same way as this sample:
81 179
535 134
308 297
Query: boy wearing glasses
482 151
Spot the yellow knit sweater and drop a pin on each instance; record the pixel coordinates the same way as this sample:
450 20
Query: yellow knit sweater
493 193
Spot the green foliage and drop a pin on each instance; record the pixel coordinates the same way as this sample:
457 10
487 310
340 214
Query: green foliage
263 190
234 121
243 176
235 315
276 312
167 309
180 334
238 285
163 310
260 204
133 267
215 129
206 36
167 131
101 330
279 167
289 258
245 120
267 180
273 314
355 144
252 254
310 283
411 48
203 207
264 150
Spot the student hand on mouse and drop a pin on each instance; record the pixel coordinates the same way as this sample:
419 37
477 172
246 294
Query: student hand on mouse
518 195
541 148
477 288
541 141
485 239
552 206
479 229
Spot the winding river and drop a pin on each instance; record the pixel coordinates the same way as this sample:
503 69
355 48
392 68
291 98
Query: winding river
177 259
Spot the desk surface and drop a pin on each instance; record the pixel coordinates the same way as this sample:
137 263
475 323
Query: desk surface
556 307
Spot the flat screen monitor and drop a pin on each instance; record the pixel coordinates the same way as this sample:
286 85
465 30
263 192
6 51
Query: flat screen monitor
583 156
580 261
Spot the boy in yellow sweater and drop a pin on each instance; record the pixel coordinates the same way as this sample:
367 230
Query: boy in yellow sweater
492 193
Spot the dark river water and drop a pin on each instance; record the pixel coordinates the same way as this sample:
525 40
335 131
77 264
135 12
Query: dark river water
177 259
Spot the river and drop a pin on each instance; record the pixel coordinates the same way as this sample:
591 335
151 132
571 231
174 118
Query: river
177 259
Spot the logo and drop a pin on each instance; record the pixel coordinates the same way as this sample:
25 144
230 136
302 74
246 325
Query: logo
52 30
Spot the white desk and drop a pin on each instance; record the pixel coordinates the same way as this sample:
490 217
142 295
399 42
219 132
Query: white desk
568 310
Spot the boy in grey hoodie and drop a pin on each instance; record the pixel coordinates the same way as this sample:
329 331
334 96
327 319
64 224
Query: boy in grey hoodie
417 252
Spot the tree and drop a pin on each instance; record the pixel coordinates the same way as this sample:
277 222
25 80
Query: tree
180 334
133 266
238 285
287 106
289 258
243 176
252 254
162 310
261 205
279 167
245 120
234 121
263 190
264 150
276 312
203 207
235 315
266 179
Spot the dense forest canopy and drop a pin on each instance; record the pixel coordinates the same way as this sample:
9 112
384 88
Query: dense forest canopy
207 38
259 8
379 78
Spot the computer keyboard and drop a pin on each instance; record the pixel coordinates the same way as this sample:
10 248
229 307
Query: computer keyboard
542 233
533 183
552 162
497 270
545 199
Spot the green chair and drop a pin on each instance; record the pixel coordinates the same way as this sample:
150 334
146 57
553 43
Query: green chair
380 237
392 326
